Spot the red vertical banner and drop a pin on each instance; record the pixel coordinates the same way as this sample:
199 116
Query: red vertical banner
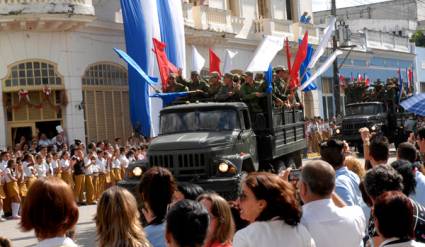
164 65
288 55
214 63
299 59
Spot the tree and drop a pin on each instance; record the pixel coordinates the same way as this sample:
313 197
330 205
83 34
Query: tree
419 38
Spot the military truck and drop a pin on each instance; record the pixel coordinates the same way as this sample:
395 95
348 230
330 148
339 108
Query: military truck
214 144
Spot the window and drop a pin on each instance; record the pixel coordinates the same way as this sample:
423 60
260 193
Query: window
327 98
289 15
32 73
106 102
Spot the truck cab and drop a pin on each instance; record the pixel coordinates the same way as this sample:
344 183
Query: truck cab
210 144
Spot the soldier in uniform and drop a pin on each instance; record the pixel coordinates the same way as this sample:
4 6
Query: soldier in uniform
215 85
230 91
173 86
195 83
281 86
251 93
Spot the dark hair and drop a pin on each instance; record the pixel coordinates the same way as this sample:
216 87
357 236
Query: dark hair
10 163
379 148
420 133
394 213
190 191
319 177
195 219
279 195
156 189
382 178
406 170
4 242
407 151
331 152
49 208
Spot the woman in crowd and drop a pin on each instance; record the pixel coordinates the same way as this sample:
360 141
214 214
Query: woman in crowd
186 190
51 211
29 170
156 189
20 175
117 220
66 168
221 228
12 188
116 166
269 204
40 167
394 220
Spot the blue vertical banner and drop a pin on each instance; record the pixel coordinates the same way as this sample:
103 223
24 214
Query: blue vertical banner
140 26
269 80
171 23
305 72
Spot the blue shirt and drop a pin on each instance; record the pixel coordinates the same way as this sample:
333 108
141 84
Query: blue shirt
419 195
347 187
156 235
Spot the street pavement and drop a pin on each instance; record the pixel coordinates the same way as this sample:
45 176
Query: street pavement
85 230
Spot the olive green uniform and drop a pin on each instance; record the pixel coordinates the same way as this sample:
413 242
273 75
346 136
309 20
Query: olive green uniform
176 87
194 86
213 90
223 93
280 89
248 94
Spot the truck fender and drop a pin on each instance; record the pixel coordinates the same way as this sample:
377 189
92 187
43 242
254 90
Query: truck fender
243 162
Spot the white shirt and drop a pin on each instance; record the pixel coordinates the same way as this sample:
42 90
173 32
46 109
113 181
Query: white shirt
124 161
89 168
27 169
419 195
274 233
411 243
41 170
101 164
330 225
7 174
3 165
116 163
55 242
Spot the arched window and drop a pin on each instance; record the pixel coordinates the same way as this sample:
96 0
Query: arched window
32 74
106 102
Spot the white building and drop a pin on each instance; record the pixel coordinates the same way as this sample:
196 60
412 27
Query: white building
57 65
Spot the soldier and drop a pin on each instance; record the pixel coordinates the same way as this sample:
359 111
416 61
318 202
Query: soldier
230 91
215 84
251 93
196 83
281 86
173 86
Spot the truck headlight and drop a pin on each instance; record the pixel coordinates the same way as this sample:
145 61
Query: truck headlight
137 171
337 131
223 167
373 128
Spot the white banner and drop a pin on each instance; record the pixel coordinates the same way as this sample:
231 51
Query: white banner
228 60
323 43
265 53
198 61
325 66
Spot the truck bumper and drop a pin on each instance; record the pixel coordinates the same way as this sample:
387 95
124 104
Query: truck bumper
228 187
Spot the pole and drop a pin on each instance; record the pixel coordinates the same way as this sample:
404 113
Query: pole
336 91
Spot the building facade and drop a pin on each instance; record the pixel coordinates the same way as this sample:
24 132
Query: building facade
58 66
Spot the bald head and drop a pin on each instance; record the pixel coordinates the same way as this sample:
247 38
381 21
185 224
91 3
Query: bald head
319 177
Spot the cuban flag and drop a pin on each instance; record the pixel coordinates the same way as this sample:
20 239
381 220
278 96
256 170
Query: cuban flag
144 21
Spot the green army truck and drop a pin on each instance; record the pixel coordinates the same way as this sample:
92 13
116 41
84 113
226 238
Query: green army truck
214 144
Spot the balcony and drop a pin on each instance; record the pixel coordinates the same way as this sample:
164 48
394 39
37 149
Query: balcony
386 41
44 15
274 27
188 15
313 32
217 20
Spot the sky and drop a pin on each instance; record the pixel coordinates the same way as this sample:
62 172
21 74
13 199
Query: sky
326 4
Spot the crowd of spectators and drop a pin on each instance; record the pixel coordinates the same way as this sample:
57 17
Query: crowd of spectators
336 201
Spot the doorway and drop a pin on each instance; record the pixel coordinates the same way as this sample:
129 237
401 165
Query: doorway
19 132
48 128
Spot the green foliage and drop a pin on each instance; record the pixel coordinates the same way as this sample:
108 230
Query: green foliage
419 38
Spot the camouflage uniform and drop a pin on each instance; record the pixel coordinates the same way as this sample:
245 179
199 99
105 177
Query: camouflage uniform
213 89
194 86
280 89
176 87
223 93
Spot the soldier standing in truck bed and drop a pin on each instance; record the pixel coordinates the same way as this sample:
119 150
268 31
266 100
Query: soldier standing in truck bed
173 86
281 86
251 93
195 84
229 91
215 85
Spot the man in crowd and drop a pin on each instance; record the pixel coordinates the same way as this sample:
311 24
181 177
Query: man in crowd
77 162
214 85
196 83
173 86
230 91
281 86
328 224
347 182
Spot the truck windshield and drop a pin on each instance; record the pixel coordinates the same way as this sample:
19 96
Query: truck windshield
214 120
363 110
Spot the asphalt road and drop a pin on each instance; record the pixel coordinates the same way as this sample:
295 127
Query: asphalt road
85 231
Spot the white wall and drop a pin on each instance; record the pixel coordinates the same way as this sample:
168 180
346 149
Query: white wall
73 52
248 9
278 9
218 4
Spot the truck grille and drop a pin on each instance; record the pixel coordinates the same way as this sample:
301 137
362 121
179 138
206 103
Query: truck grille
183 166
354 126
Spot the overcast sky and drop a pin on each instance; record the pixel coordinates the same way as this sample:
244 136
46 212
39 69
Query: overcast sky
326 4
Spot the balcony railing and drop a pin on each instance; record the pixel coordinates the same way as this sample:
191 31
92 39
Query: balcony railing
219 20
188 15
45 15
274 27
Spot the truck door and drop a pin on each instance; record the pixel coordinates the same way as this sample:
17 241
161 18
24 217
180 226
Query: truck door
248 139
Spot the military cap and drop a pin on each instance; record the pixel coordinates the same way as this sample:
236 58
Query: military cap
194 73
215 74
172 75
280 68
228 75
249 73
